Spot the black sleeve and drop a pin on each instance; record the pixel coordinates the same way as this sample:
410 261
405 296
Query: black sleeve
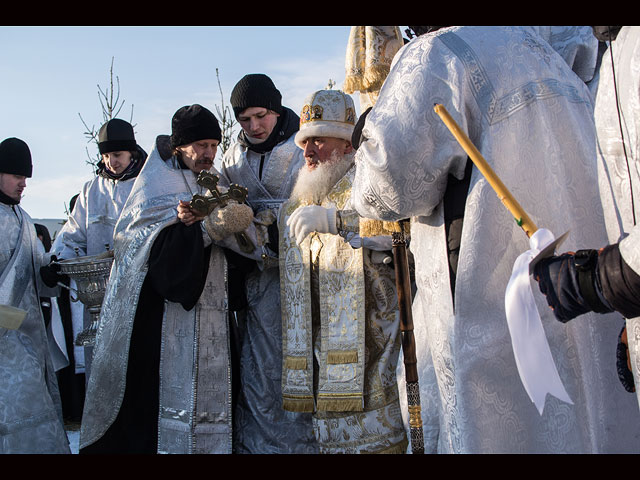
356 136
620 284
274 237
179 263
238 269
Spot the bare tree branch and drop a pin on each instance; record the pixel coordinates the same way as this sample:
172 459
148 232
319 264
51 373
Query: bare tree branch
111 108
227 120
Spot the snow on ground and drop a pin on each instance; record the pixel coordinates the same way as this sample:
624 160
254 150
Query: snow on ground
73 434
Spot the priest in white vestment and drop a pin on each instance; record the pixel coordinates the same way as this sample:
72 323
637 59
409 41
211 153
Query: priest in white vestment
161 373
30 407
341 327
605 278
520 95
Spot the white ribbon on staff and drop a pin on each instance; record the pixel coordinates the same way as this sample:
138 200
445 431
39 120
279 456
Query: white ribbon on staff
536 367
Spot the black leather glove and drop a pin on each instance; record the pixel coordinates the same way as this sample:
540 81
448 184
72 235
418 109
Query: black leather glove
50 273
622 362
570 284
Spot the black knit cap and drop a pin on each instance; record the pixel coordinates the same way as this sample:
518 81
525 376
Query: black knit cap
116 136
192 123
15 157
255 90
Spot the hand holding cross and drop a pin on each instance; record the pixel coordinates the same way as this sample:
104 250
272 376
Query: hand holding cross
203 205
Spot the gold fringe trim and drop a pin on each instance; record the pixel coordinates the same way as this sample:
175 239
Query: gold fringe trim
353 83
340 404
336 357
372 228
295 363
374 77
301 404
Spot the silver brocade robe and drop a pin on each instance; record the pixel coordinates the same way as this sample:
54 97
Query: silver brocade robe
89 231
531 117
195 384
619 193
90 225
261 425
30 408
341 337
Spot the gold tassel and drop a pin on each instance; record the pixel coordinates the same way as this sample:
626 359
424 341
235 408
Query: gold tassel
392 227
336 357
352 83
372 228
374 77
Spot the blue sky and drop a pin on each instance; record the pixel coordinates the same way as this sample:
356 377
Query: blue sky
50 75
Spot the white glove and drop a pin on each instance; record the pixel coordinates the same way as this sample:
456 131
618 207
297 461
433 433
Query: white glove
312 218
224 221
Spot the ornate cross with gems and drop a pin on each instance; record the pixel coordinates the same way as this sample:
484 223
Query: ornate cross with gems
204 205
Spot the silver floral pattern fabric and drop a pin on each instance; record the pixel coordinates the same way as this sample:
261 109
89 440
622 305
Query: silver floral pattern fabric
340 316
151 207
618 161
195 364
89 231
531 117
30 408
261 425
90 226
620 193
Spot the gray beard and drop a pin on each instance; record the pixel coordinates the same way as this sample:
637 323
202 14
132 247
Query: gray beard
313 186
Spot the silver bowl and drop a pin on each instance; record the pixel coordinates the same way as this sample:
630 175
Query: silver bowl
91 274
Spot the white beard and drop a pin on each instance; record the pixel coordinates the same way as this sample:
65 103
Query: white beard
312 186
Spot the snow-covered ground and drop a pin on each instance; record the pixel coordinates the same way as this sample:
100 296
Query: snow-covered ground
73 434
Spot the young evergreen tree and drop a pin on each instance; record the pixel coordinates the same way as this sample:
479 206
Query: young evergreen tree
111 106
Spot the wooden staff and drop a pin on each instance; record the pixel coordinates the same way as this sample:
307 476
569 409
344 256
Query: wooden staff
403 287
522 219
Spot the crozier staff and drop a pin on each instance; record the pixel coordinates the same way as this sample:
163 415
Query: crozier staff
370 52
